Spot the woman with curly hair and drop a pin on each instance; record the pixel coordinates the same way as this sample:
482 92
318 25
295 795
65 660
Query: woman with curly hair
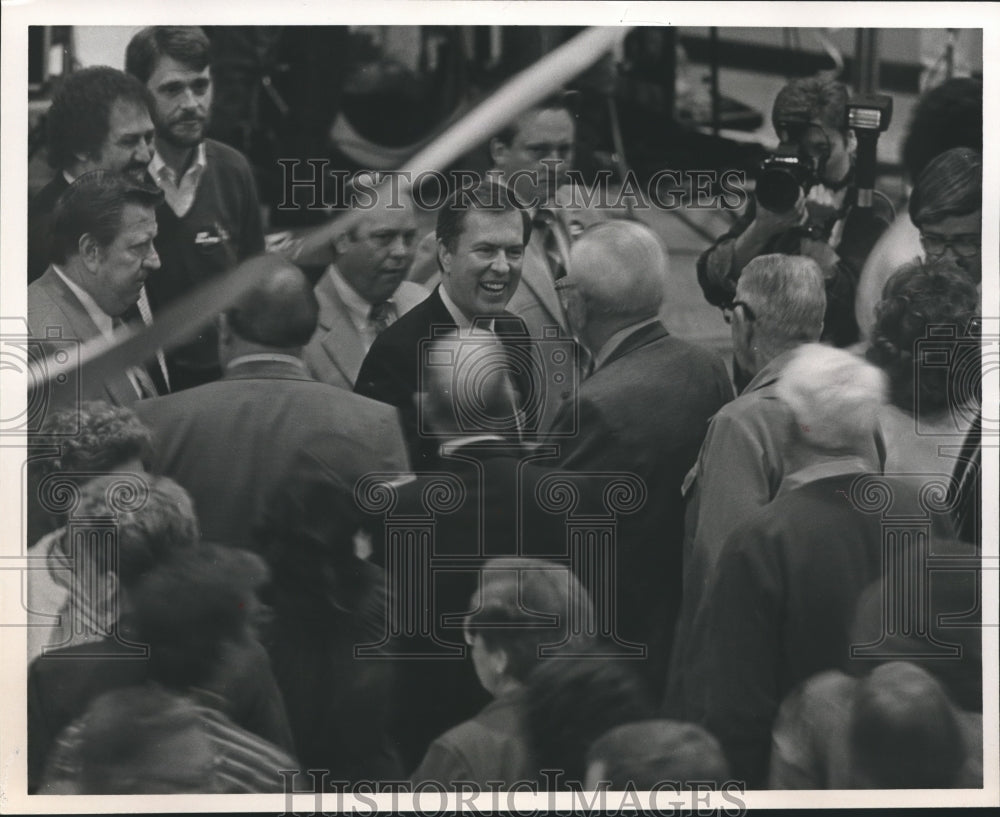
922 341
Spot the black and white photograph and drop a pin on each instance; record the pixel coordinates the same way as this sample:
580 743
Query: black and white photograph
499 406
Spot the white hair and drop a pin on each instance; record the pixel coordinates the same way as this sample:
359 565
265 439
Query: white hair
834 395
788 296
620 268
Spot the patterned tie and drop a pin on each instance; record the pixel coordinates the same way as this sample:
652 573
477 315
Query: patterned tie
141 378
380 316
142 311
555 240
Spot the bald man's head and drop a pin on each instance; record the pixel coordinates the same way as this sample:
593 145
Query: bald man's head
281 312
617 272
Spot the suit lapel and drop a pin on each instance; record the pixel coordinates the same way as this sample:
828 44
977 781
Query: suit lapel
118 387
536 276
342 342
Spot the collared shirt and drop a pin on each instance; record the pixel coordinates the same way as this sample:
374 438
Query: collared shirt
463 323
358 308
266 357
179 195
612 343
102 320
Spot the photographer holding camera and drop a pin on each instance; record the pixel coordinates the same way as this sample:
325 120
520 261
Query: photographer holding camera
807 203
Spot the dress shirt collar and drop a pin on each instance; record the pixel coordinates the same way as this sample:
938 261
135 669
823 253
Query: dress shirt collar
179 193
159 169
358 308
616 340
266 357
452 445
462 322
102 320
69 179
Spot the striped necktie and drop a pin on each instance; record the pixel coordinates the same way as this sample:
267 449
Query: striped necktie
555 240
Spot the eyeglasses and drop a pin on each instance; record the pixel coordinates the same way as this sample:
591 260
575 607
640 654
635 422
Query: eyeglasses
964 245
727 311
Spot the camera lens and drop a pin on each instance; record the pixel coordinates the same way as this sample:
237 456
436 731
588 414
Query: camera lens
777 189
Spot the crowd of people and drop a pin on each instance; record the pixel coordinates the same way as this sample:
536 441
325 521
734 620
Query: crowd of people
460 509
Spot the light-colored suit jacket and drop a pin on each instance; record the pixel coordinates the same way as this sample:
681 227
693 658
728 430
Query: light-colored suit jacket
57 318
336 350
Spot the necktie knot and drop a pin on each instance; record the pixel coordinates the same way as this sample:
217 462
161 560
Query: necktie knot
380 316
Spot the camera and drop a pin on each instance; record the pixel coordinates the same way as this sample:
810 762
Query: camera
783 175
791 170
483 386
24 354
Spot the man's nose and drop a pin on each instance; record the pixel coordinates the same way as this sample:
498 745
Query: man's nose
152 260
500 262
144 153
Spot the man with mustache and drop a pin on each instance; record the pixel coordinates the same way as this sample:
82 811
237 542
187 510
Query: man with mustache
99 120
211 217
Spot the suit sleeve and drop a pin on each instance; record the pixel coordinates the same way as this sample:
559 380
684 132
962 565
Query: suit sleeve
733 691
716 267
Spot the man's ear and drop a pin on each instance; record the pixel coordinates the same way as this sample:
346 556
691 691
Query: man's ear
341 242
852 142
444 257
498 151
90 251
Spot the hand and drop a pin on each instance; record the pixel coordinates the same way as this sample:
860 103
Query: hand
822 253
768 223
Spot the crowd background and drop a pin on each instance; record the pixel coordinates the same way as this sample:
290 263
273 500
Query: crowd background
755 621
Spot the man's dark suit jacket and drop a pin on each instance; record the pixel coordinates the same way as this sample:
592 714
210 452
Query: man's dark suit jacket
391 370
645 411
229 443
498 516
781 606
40 225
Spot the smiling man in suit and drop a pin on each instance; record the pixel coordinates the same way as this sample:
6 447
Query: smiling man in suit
644 410
103 228
481 234
364 292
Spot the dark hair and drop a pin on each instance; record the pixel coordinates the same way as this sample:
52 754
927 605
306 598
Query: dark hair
95 437
947 116
152 525
562 101
93 205
512 592
950 185
188 607
79 119
187 44
641 754
918 296
490 196
903 731
281 312
571 702
812 99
